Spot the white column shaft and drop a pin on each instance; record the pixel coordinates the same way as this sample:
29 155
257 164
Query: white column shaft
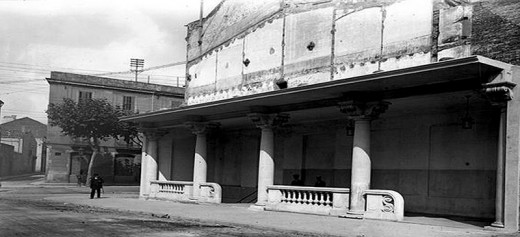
361 165
200 165
149 168
265 165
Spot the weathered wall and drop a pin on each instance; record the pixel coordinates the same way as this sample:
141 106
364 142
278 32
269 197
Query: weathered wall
165 152
236 163
333 40
183 155
24 150
58 165
6 159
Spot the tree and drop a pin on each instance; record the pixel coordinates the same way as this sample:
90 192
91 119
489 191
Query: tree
92 120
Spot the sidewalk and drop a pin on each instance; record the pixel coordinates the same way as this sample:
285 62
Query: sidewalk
239 214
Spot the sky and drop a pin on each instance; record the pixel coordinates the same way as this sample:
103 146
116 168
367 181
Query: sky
87 37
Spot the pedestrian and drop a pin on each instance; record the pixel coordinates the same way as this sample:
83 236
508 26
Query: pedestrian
296 180
319 182
81 177
96 184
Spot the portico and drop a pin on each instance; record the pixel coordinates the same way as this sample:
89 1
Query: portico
371 168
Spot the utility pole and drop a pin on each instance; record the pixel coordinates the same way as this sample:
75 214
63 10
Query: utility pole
1 104
136 65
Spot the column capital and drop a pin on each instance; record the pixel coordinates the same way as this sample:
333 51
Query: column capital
499 93
359 110
268 120
154 134
201 127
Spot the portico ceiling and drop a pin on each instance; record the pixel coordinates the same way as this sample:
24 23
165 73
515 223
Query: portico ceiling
447 76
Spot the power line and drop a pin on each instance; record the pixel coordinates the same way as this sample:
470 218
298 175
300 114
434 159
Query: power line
26 90
49 68
20 81
33 67
145 69
23 111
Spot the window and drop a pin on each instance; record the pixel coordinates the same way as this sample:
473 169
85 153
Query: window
128 103
83 95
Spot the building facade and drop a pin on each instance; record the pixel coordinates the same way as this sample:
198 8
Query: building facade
395 105
15 128
20 153
119 161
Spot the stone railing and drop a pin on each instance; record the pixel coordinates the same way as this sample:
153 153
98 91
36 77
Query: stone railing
171 190
322 201
183 191
210 192
384 204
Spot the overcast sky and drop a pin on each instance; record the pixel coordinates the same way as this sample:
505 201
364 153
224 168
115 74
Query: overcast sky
86 36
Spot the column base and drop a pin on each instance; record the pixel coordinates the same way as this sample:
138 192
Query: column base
497 224
256 207
353 215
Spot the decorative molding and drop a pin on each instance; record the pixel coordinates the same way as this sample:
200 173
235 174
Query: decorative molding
363 110
388 204
268 120
201 127
499 93
154 134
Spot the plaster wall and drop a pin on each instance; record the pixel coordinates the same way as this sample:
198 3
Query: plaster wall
302 48
308 41
363 38
58 163
183 154
165 151
263 48
6 159
229 66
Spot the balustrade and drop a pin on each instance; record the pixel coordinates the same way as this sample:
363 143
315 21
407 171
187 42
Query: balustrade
182 191
305 197
324 201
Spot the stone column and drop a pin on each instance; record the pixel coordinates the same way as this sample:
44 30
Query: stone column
149 167
200 164
362 113
498 95
499 198
266 122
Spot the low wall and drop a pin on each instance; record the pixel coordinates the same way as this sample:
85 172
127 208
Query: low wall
182 191
380 204
321 201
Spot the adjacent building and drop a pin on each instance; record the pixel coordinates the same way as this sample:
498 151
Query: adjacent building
15 130
120 161
394 106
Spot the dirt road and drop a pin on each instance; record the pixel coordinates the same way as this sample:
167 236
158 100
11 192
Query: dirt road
24 212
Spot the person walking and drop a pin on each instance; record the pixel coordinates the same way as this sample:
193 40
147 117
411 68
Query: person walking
96 184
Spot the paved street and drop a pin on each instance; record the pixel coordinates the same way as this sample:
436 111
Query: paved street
25 212
29 207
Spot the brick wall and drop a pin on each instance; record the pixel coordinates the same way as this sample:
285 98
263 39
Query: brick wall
496 30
